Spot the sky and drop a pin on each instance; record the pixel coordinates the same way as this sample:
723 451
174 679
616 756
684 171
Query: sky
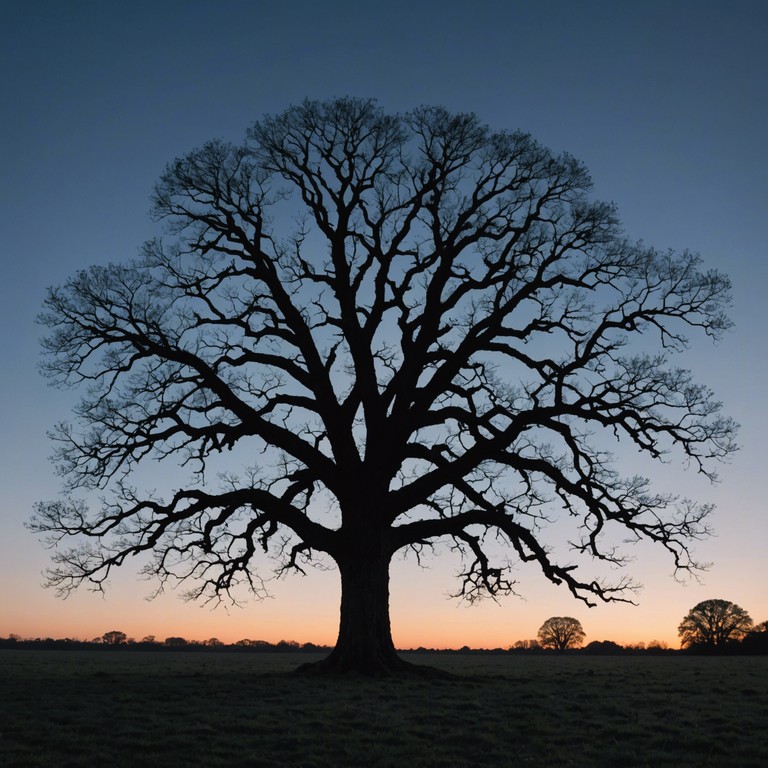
664 101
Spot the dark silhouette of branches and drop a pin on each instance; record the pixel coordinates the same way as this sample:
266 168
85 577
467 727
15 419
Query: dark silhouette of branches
712 624
405 329
561 633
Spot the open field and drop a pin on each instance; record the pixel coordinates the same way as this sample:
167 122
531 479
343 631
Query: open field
87 708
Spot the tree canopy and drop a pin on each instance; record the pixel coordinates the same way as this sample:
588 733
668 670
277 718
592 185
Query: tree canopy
561 633
713 623
399 330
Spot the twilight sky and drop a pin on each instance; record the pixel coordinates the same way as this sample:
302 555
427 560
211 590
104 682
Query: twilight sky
665 102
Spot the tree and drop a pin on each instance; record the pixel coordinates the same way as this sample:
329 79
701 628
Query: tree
114 638
561 633
712 624
384 332
604 647
756 640
526 645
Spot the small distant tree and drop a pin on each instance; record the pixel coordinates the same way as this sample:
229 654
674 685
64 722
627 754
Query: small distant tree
176 641
713 623
114 637
604 647
561 633
213 642
149 639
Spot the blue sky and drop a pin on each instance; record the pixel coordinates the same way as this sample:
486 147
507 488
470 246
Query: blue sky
665 102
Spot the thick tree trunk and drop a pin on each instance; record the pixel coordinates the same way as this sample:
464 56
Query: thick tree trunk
365 643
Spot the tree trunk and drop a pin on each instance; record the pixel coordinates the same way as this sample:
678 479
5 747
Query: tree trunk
365 643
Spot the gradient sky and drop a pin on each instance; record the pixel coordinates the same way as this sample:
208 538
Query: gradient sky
664 100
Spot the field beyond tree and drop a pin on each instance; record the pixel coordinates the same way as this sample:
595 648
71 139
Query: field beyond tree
86 708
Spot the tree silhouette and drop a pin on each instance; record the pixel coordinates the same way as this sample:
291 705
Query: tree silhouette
404 330
756 640
561 633
176 641
114 637
712 624
604 647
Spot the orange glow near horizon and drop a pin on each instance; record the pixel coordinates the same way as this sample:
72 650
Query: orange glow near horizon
405 637
307 611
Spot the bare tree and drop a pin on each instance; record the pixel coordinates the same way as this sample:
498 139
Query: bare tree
437 349
713 623
561 633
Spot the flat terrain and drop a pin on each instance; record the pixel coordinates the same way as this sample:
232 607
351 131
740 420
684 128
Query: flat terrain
86 708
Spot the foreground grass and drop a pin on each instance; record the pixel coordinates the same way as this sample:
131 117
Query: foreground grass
83 709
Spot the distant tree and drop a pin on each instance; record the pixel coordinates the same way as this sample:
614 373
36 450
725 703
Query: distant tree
213 642
604 647
312 647
756 640
114 638
149 639
525 645
712 624
176 641
423 358
561 633
658 645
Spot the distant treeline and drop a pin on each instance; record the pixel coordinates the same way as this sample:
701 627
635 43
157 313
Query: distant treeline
754 644
169 644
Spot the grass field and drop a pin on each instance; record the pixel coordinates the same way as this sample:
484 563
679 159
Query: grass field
83 709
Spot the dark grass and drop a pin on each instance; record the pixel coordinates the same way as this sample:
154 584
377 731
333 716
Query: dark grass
84 708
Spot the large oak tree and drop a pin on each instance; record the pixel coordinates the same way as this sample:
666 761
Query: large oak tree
561 633
712 624
407 329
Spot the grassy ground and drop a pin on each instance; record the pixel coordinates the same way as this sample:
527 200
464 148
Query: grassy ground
84 709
